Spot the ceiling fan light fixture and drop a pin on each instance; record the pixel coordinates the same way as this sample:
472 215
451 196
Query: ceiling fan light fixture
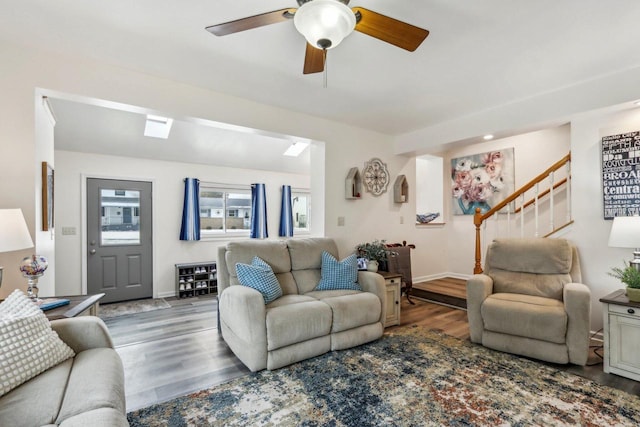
324 23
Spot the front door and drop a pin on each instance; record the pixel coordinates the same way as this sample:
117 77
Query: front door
119 239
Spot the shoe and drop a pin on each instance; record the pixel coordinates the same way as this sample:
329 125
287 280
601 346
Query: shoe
188 286
182 280
190 280
211 277
182 287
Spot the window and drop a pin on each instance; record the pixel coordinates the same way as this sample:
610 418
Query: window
234 202
300 209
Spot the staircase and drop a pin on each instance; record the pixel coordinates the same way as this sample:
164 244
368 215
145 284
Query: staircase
540 208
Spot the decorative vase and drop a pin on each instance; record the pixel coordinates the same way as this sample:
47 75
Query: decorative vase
633 294
33 268
372 265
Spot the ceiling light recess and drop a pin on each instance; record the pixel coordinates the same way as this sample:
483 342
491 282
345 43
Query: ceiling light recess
324 23
296 149
157 126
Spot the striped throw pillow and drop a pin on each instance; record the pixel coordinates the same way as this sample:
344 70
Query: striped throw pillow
259 276
338 274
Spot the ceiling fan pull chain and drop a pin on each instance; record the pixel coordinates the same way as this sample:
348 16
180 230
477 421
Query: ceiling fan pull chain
324 63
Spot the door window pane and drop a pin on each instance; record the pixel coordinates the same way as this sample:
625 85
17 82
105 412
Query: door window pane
120 222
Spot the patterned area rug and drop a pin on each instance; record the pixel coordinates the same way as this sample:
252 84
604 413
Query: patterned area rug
410 377
116 309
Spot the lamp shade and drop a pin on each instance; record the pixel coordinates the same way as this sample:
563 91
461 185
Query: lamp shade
14 234
324 23
625 232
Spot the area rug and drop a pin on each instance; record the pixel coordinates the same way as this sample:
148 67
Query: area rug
108 311
411 377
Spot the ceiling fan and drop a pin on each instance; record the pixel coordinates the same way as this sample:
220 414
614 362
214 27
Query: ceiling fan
325 23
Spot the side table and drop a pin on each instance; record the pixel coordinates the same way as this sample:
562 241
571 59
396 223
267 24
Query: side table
621 326
392 283
78 304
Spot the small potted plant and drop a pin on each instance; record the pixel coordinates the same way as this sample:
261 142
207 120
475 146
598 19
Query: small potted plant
375 252
630 276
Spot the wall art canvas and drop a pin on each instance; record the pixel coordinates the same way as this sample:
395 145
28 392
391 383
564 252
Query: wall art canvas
481 180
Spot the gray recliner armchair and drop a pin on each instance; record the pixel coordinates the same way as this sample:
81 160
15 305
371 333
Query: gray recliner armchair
529 301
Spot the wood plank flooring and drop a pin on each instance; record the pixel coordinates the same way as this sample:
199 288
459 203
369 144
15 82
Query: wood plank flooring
172 352
446 290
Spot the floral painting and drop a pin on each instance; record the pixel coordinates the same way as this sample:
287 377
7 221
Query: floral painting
481 180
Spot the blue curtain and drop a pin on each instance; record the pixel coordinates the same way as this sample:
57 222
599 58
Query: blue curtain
286 213
190 229
258 212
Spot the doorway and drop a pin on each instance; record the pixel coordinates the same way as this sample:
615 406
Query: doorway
119 239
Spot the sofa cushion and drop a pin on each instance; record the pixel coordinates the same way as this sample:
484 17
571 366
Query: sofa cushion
338 274
532 255
352 311
29 346
539 285
294 323
260 277
526 316
290 299
306 260
101 417
273 252
96 381
38 400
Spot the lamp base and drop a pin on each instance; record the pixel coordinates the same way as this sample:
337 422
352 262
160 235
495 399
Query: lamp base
635 262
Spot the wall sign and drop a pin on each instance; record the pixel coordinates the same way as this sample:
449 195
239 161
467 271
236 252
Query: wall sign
621 174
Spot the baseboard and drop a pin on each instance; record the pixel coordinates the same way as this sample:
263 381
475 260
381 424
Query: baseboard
597 336
166 294
437 276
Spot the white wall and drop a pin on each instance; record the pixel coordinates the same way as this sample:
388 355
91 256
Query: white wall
168 193
429 188
23 73
533 153
44 240
590 231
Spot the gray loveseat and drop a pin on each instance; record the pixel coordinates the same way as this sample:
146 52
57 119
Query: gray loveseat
86 390
303 323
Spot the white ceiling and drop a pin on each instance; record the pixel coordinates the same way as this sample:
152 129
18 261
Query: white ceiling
480 54
95 129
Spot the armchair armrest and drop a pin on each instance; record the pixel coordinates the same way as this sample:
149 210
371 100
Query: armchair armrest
577 304
242 310
374 283
83 333
479 287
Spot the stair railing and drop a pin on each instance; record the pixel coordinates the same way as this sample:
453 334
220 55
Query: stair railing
479 218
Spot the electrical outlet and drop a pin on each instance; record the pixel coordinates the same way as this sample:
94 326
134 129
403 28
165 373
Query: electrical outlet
68 231
340 221
401 219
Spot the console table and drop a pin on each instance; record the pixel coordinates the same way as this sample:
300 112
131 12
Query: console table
621 325
78 304
392 283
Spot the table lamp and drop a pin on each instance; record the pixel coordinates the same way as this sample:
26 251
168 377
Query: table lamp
625 233
14 234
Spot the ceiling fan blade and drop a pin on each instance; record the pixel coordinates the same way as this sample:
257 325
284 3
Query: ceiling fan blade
398 33
313 60
251 22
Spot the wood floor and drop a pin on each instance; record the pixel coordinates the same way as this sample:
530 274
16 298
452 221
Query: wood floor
171 352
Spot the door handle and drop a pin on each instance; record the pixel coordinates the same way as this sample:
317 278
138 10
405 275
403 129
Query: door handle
92 251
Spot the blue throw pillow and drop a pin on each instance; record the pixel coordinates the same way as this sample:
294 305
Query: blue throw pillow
338 274
260 277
